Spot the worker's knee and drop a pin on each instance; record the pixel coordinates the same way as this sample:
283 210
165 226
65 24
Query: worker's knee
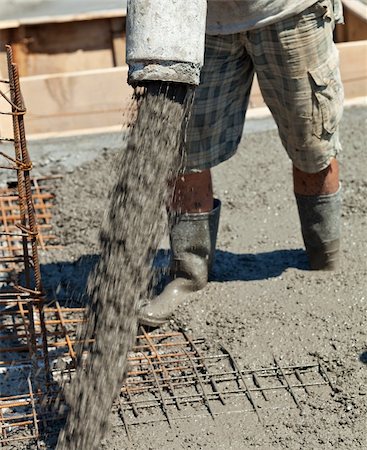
311 153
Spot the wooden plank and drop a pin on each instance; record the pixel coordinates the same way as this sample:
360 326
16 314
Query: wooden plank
353 68
118 35
4 39
64 47
76 100
6 124
356 27
355 18
19 43
340 33
98 98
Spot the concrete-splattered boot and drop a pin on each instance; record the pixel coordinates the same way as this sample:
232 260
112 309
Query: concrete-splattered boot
193 238
320 224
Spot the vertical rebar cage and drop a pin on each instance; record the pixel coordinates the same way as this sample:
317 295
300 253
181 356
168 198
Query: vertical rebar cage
21 295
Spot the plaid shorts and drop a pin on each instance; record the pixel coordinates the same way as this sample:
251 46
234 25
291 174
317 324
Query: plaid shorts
297 66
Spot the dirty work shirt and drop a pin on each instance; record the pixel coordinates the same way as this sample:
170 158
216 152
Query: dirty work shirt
235 16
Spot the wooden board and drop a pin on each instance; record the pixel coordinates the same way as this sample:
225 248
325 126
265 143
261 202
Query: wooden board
6 124
355 18
353 67
98 98
66 47
87 99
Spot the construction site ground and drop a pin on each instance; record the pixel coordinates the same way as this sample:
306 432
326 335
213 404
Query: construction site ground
261 301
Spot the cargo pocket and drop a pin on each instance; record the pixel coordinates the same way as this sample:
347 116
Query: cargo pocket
328 96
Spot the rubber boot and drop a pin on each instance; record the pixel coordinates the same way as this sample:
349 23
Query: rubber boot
320 224
193 239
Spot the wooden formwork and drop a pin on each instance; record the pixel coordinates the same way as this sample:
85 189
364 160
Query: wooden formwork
67 43
74 74
355 17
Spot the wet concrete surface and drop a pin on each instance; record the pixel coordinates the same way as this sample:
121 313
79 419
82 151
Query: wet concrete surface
261 301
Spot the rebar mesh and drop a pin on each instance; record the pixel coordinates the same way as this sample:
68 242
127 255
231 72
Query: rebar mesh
171 376
11 246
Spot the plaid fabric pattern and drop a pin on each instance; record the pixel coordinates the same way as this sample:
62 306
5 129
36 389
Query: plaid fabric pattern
296 62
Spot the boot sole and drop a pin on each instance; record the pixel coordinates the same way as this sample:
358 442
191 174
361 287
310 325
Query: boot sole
152 322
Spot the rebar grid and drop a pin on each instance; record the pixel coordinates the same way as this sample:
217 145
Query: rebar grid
18 417
60 324
171 377
22 413
11 241
171 373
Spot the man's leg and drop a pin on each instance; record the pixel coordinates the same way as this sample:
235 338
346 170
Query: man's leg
195 218
318 199
214 131
296 63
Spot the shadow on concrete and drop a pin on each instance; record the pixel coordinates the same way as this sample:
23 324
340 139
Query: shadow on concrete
230 266
67 281
363 357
